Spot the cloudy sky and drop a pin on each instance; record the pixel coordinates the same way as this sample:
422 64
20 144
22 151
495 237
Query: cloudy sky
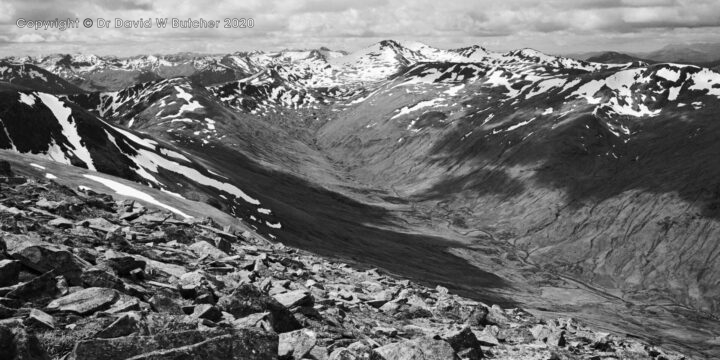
553 26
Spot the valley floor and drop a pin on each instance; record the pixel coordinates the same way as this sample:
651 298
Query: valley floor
487 267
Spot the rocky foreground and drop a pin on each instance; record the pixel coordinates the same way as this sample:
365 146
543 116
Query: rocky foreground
85 277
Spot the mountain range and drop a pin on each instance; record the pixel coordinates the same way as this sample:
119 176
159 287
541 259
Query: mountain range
567 186
701 54
686 53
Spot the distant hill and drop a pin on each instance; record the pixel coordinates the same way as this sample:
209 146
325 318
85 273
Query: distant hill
686 53
705 55
614 57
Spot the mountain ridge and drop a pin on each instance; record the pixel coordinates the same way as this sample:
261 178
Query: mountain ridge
536 173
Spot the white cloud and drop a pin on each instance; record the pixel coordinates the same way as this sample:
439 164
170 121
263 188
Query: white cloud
30 38
550 25
6 13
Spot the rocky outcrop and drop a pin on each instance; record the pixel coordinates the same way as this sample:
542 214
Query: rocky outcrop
112 288
416 349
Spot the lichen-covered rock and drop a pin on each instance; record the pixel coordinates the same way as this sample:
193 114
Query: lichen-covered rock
163 303
43 257
41 286
207 311
296 344
295 298
125 325
86 301
462 339
416 349
247 299
204 248
39 319
123 265
95 277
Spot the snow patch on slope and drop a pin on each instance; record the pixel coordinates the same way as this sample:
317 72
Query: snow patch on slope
669 75
62 113
125 190
423 104
28 100
708 80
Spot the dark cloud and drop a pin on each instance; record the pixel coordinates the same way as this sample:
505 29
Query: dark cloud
40 9
35 11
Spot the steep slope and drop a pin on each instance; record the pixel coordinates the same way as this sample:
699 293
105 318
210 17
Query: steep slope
36 78
270 130
374 63
268 90
38 166
39 123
